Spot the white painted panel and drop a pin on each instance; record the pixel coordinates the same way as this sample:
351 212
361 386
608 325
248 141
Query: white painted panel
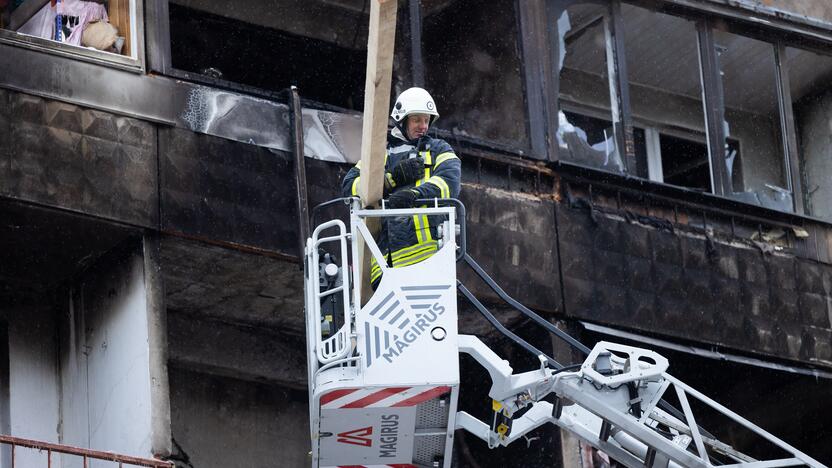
118 360
33 379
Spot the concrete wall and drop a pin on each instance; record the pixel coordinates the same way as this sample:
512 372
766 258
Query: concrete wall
480 92
219 421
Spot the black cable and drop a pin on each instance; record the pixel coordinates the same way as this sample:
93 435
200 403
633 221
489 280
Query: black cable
663 404
523 309
505 331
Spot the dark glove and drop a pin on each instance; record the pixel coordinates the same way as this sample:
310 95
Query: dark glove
404 198
408 171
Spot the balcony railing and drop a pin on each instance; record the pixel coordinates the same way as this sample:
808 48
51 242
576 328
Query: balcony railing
85 454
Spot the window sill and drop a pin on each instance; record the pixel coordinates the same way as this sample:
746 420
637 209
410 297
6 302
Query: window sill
84 54
704 200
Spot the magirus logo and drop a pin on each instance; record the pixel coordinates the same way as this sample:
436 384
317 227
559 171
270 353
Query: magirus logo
400 319
388 440
360 437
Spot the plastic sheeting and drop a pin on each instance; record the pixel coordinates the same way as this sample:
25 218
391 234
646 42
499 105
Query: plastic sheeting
42 24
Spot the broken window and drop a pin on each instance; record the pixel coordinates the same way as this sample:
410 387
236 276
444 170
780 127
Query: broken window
473 69
665 90
752 118
102 25
809 78
585 87
320 46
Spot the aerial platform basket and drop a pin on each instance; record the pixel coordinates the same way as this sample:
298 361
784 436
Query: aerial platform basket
384 385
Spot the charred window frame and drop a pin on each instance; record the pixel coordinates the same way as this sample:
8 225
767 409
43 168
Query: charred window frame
126 14
163 60
278 68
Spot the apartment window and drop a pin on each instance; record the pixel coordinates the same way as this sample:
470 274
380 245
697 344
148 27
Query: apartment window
473 69
708 102
809 76
665 91
582 63
100 28
748 72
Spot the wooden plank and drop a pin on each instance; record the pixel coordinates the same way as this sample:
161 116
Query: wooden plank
119 13
380 46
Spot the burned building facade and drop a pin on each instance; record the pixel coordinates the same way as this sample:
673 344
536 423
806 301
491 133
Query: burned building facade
655 172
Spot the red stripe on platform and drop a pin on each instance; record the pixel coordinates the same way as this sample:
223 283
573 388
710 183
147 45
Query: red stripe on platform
336 394
375 397
423 397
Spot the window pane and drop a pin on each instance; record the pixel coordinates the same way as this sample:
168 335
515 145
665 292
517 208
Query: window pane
318 45
106 26
666 96
809 77
473 69
585 129
752 119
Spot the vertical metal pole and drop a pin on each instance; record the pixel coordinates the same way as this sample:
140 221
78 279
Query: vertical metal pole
620 91
158 35
714 109
417 65
790 150
300 171
49 458
13 454
536 46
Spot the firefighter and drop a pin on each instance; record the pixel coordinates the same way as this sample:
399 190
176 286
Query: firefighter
416 166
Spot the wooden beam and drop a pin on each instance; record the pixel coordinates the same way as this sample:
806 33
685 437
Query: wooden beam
380 47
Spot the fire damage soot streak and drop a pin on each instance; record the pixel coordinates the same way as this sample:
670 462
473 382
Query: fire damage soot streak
423 321
388 436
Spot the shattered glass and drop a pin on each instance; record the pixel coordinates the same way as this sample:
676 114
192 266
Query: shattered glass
753 120
586 133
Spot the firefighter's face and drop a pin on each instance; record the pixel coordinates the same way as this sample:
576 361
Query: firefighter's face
417 125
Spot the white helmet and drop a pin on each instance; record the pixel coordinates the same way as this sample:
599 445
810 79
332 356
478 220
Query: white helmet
414 101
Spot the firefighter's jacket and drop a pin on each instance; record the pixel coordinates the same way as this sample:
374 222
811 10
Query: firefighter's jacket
408 240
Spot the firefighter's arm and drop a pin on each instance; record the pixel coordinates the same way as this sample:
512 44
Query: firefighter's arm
445 178
349 186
